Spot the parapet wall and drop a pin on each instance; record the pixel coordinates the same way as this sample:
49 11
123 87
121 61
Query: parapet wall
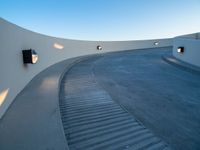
14 75
191 45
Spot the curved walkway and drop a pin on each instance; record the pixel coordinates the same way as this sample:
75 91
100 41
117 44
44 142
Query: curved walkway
93 121
104 99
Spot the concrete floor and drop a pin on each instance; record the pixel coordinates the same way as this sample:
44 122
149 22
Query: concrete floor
165 98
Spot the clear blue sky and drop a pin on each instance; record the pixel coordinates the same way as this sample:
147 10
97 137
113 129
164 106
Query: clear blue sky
105 19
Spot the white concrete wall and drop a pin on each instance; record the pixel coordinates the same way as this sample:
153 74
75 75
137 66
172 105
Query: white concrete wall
191 36
191 44
14 75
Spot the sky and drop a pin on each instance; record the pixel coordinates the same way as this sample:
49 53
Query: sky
105 20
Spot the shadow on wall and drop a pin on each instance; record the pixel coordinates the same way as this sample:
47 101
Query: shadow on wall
14 39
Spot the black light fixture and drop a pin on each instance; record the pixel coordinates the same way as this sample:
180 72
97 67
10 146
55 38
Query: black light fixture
29 56
99 47
180 49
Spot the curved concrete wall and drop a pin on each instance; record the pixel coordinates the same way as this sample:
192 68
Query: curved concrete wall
191 44
14 75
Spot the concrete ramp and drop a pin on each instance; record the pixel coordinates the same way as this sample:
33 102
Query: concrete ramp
93 121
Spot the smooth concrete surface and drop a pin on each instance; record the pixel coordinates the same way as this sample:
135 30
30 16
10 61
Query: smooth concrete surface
93 121
191 44
15 75
33 120
181 64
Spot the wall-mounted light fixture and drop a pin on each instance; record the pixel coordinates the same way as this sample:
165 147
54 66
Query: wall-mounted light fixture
180 49
99 47
29 56
155 43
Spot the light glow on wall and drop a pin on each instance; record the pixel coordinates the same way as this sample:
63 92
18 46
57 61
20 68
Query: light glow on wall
58 46
3 95
48 84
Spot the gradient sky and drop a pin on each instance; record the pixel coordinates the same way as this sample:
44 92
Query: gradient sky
105 19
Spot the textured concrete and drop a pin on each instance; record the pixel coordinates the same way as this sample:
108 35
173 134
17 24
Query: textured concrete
93 121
